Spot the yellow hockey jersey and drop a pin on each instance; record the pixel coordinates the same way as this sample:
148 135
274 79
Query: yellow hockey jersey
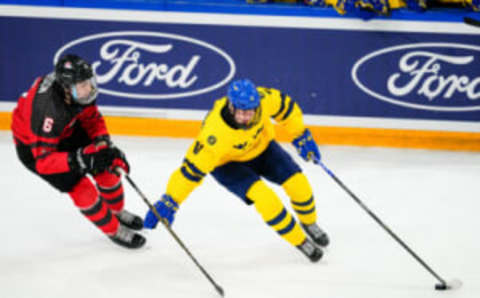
218 143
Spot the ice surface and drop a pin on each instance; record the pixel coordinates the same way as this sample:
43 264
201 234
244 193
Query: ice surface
429 198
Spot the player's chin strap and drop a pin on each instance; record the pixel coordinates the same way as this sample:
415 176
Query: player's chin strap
218 288
443 284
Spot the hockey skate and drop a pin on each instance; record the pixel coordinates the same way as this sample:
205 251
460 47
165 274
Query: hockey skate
310 250
318 235
128 238
130 220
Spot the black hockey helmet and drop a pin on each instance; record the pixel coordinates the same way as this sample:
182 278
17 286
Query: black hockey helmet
70 70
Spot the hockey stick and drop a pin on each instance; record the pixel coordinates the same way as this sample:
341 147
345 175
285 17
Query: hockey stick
440 286
218 288
471 21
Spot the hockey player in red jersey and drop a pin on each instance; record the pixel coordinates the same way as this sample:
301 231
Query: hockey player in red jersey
61 136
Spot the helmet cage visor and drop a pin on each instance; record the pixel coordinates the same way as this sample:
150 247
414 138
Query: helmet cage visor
90 97
253 121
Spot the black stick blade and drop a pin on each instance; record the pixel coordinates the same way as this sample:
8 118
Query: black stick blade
471 21
441 287
451 285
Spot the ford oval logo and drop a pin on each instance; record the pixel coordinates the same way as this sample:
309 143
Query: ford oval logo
153 65
427 76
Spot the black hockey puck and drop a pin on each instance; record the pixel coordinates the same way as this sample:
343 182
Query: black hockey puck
441 287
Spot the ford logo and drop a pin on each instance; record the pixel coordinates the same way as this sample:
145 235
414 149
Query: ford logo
427 76
153 65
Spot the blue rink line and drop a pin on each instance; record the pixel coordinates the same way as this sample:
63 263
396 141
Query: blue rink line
241 7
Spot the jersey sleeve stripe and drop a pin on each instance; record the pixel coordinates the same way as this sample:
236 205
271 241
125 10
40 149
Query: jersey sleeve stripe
193 168
289 110
189 176
282 106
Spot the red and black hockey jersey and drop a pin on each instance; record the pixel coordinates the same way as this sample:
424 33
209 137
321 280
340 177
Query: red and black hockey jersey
42 119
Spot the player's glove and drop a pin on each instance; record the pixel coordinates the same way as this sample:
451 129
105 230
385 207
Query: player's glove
91 159
103 140
166 208
306 146
119 160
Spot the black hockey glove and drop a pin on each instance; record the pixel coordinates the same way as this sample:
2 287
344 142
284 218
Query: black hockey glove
91 159
119 160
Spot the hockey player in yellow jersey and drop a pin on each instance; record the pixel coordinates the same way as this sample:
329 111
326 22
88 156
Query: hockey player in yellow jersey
236 146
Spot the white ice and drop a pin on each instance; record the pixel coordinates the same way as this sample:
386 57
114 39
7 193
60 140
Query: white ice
429 198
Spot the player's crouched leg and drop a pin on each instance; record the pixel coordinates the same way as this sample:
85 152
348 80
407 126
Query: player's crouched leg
111 191
85 196
276 216
300 192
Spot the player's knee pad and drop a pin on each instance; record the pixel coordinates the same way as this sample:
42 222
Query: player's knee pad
274 213
111 190
298 188
266 201
84 194
107 179
300 192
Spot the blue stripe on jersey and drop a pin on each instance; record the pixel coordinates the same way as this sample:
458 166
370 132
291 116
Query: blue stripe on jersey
194 169
189 176
290 109
282 106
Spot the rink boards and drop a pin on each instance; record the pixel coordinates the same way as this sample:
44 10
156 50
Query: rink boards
377 83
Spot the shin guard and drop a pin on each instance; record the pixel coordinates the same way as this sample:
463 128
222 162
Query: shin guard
301 197
111 190
274 213
86 198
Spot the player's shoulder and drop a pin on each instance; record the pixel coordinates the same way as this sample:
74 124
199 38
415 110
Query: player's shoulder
213 118
267 92
214 131
46 83
44 89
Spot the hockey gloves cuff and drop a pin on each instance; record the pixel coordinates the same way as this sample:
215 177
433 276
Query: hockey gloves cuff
103 140
166 208
306 147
